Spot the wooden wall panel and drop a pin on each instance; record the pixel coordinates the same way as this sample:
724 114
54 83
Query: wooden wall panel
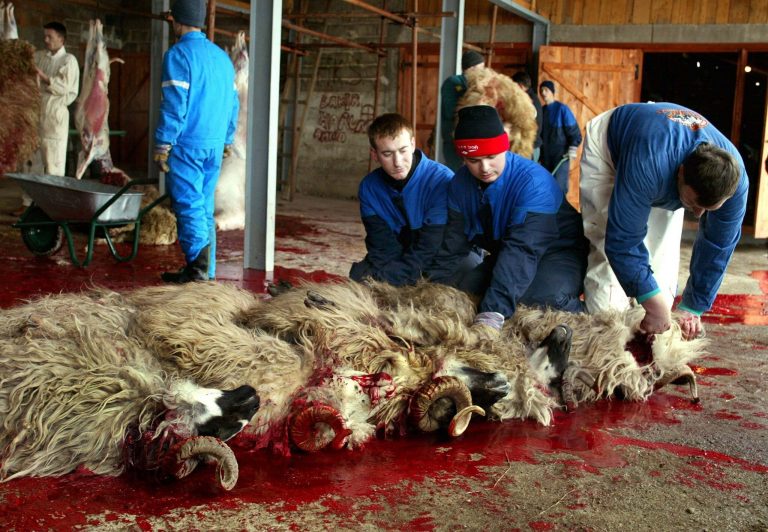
739 12
758 12
612 12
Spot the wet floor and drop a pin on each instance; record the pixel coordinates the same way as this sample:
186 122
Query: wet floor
710 458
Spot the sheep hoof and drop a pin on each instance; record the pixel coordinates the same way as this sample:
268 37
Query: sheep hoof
567 389
315 300
281 287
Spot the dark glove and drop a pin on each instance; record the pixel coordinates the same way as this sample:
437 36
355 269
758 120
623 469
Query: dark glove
162 151
494 320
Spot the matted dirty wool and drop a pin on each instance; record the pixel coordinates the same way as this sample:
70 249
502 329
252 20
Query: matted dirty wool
488 87
19 104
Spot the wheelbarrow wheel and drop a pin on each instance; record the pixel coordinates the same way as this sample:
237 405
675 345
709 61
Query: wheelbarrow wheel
44 239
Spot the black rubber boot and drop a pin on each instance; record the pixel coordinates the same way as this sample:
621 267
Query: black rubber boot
197 270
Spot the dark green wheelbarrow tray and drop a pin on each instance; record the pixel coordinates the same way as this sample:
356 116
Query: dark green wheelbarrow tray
60 204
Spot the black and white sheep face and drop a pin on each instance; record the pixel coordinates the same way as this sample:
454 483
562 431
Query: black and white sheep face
486 387
218 413
549 360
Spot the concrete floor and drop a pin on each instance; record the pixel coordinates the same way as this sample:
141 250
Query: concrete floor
665 464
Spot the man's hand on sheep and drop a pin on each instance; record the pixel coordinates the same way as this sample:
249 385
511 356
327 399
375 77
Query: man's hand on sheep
690 324
658 316
494 320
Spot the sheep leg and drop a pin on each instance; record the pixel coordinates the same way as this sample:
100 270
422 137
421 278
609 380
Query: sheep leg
566 391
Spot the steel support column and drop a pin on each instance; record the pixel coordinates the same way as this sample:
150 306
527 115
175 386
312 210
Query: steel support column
261 168
540 35
451 40
159 45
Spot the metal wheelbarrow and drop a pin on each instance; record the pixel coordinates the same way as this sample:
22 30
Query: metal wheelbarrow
59 203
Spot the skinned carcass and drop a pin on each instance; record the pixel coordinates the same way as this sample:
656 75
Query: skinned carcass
485 86
92 112
8 28
19 104
230 190
78 391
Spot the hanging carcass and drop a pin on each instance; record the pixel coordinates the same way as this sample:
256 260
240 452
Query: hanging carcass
8 28
92 112
230 189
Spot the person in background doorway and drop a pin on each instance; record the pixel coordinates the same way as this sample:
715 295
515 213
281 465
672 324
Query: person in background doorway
451 91
642 164
523 80
511 214
59 77
198 116
403 205
560 135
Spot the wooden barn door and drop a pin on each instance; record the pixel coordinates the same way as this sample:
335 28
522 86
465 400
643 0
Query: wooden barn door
129 111
761 210
590 81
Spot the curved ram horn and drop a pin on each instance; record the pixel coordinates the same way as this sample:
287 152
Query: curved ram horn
439 388
187 454
307 431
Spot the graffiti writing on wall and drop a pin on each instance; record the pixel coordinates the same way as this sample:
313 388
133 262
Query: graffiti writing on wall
341 113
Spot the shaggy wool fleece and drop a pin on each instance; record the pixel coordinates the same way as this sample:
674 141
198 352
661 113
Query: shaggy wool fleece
19 104
485 86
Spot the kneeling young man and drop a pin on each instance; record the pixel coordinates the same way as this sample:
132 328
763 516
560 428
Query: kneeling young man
529 240
403 204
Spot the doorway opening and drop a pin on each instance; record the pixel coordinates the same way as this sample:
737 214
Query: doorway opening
706 83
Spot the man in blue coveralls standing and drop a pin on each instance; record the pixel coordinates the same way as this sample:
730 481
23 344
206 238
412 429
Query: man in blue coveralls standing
198 115
642 164
560 135
511 210
403 204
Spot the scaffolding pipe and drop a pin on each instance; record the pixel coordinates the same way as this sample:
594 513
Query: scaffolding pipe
283 47
331 38
410 21
377 83
492 37
295 140
414 74
211 18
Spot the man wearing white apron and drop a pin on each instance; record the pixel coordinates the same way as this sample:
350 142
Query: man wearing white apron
59 76
642 163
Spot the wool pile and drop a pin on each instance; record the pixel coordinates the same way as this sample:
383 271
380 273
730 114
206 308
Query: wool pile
19 104
485 86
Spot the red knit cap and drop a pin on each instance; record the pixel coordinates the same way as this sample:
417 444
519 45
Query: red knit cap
480 132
